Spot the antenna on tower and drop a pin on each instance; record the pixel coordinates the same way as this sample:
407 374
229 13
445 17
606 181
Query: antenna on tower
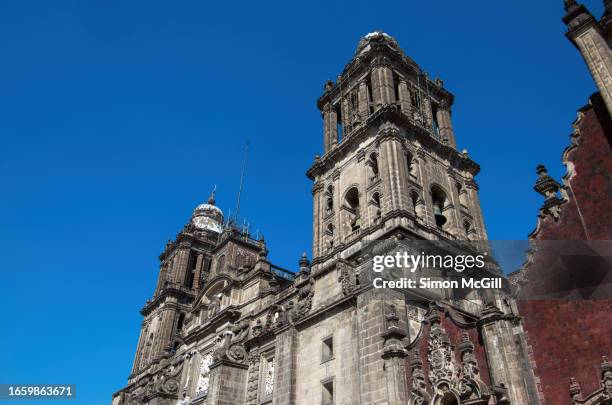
244 160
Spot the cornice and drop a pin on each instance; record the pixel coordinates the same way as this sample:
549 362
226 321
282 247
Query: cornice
380 55
390 114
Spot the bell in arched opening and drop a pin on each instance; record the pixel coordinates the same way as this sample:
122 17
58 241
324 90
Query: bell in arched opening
439 200
439 216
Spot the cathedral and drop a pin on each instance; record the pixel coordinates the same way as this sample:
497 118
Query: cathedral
225 326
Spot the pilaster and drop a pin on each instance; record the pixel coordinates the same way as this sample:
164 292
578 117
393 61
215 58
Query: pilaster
586 34
285 363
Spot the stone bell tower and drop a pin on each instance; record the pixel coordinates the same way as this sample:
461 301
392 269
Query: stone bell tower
391 171
390 156
184 266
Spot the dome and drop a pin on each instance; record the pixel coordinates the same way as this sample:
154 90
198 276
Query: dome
208 216
376 37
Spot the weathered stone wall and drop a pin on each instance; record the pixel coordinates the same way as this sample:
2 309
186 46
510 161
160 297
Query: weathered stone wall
342 368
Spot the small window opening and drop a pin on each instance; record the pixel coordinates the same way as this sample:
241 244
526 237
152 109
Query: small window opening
373 163
376 203
352 201
370 98
191 269
328 349
328 393
180 323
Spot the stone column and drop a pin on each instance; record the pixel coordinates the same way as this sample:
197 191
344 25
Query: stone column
585 33
444 124
393 169
370 322
161 279
330 127
338 230
382 86
317 223
181 261
139 348
394 352
404 98
346 116
427 112
285 364
165 327
471 189
364 108
508 363
198 272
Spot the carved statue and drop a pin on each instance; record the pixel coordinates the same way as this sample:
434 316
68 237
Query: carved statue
215 304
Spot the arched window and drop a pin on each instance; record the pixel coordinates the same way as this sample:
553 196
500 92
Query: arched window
462 195
180 323
467 227
376 204
330 235
373 163
329 202
352 203
191 269
412 165
439 201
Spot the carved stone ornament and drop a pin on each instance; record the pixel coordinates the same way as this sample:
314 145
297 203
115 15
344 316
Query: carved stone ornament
204 376
347 278
602 396
253 380
257 328
418 393
269 378
304 299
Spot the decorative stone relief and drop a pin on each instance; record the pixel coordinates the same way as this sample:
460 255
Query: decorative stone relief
347 278
204 378
603 395
253 380
269 378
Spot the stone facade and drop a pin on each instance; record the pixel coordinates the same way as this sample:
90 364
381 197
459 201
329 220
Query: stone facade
226 326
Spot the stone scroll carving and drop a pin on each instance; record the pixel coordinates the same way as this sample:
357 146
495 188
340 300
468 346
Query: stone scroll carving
602 396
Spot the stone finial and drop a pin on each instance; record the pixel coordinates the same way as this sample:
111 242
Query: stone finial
465 344
434 314
263 253
606 376
211 199
545 185
304 264
575 389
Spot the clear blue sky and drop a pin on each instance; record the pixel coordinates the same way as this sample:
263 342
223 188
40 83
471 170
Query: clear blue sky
116 118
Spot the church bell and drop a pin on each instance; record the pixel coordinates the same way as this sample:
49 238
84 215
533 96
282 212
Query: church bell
440 218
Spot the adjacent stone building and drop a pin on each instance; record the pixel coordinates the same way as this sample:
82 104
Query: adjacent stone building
225 326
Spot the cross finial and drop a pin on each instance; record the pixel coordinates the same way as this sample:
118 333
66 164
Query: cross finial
211 199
